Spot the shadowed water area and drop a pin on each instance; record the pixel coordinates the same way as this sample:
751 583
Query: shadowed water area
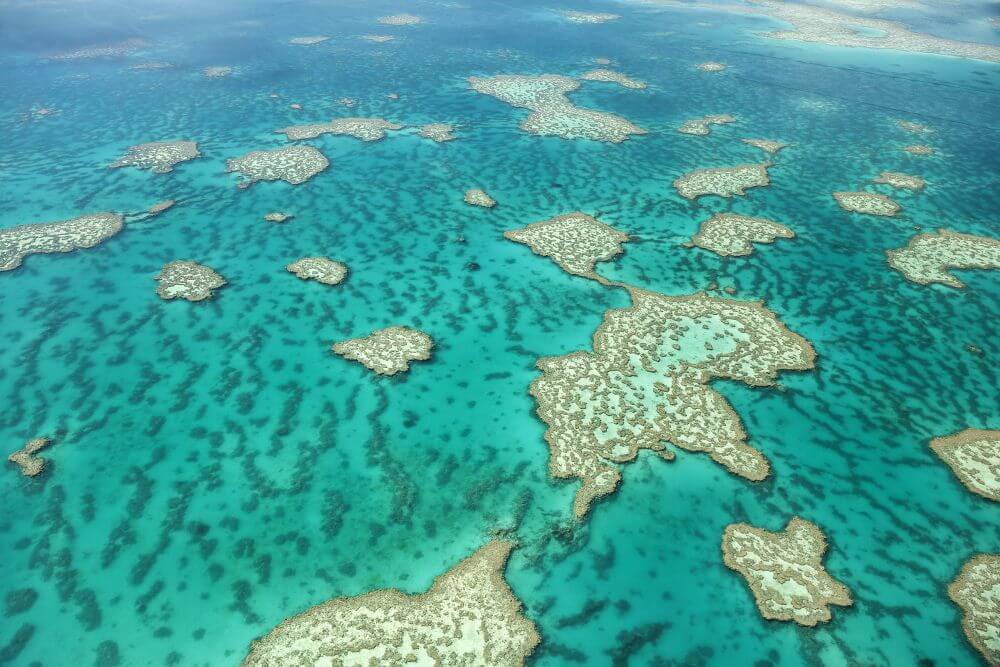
215 468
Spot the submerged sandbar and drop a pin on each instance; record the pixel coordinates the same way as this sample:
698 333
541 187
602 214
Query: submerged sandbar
784 570
469 616
85 231
927 258
551 111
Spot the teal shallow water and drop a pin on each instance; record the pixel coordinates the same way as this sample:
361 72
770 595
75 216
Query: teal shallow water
217 469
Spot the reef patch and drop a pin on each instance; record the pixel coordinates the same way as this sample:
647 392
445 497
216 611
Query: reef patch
975 593
365 129
187 280
477 197
85 231
767 145
784 570
609 76
320 269
575 241
293 164
867 203
900 181
729 234
722 181
974 456
927 258
158 156
387 351
27 457
702 126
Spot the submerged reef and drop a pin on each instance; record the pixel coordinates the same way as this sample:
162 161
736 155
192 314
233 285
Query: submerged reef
975 593
387 351
919 149
438 132
187 280
910 126
702 126
159 156
162 206
647 381
401 19
974 456
469 616
785 570
124 48
26 457
766 145
575 241
900 181
308 40
320 269
86 231
366 129
826 26
294 165
722 181
217 71
477 197
868 203
378 39
277 217
927 257
589 17
608 76
551 111
729 234
711 66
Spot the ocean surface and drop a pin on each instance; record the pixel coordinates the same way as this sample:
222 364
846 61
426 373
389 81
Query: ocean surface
216 469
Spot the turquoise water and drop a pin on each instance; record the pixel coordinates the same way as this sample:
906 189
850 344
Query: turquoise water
217 469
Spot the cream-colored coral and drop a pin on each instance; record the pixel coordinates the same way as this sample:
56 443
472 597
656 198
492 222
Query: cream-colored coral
785 570
438 132
976 591
366 129
867 203
767 145
26 457
900 181
730 234
293 164
974 456
187 280
927 258
387 351
469 616
647 381
711 66
478 197
702 126
320 269
722 181
575 241
86 231
158 156
551 111
609 76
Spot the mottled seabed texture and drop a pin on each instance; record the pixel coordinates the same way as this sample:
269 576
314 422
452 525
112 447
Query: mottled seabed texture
214 469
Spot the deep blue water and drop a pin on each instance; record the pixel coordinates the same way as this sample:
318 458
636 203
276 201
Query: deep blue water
217 469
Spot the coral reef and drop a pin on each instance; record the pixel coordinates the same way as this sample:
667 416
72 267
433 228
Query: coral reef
785 570
277 217
387 351
722 181
159 156
575 241
477 197
469 616
927 257
86 231
702 126
608 76
187 280
308 40
320 269
730 234
589 17
711 66
294 165
26 457
766 145
401 19
974 456
217 71
162 206
975 591
551 111
867 203
366 129
648 381
910 126
437 131
900 181
919 149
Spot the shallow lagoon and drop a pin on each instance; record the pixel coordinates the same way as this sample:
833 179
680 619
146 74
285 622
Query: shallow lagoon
217 468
